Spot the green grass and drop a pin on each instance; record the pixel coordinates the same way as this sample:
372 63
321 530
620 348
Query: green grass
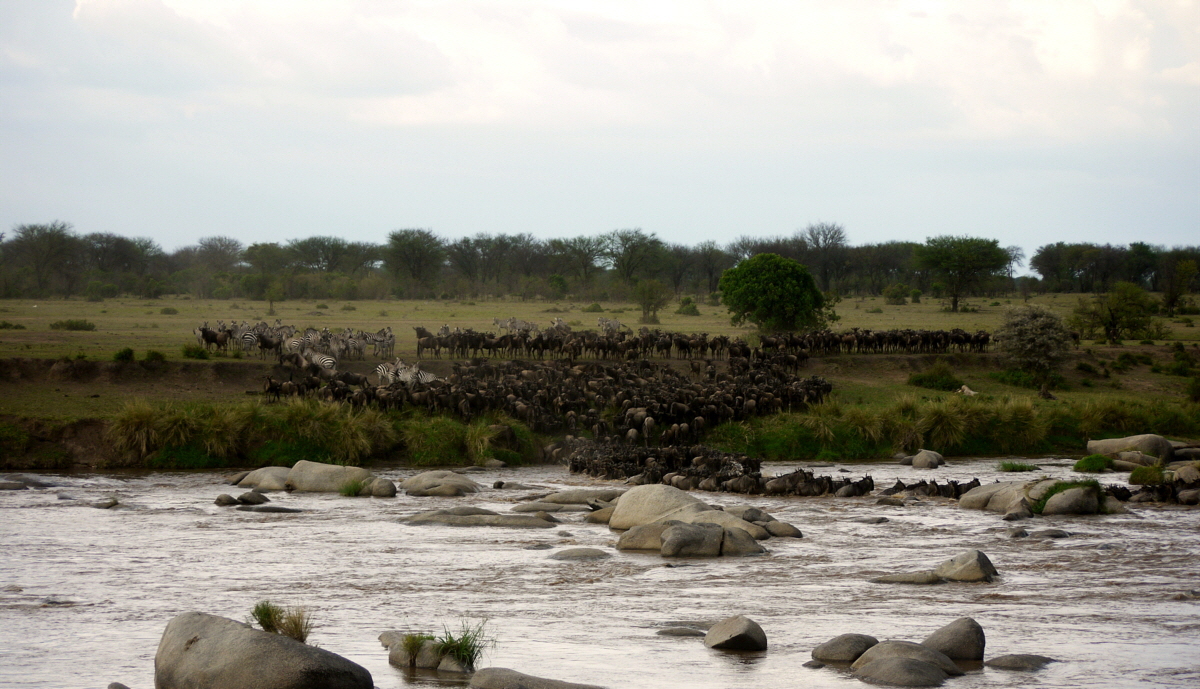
352 487
1093 464
467 646
292 622
268 615
939 377
1040 503
123 355
192 351
1016 467
77 324
412 643
1146 476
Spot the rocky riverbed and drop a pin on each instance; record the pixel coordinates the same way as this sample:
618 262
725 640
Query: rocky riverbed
85 593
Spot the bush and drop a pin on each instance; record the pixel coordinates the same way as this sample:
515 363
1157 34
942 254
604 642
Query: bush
915 296
687 307
322 306
124 355
349 307
5 325
467 647
875 310
73 324
593 308
1093 464
1033 340
194 352
168 311
939 377
1193 389
1146 476
154 356
896 294
1016 466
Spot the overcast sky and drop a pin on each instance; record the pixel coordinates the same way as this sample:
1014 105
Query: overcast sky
1028 122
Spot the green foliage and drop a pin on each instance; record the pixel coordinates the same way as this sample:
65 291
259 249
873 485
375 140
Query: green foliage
13 440
1193 389
154 356
687 307
1093 464
168 311
1034 340
1146 476
412 643
875 310
593 308
1040 503
73 324
349 307
915 296
775 293
5 325
433 440
124 355
651 296
322 306
467 646
352 487
961 263
1016 467
1125 311
192 351
938 377
267 615
896 294
1023 379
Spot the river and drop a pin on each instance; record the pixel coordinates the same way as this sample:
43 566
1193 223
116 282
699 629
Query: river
85 593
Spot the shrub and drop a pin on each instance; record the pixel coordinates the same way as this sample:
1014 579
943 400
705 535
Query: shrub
168 311
352 487
5 325
154 356
915 296
896 294
1016 466
467 647
938 377
687 307
267 615
1093 464
194 352
1033 340
73 324
875 310
349 307
322 306
124 355
1146 476
1193 389
593 308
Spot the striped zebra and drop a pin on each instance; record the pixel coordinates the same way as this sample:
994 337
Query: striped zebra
322 360
413 374
386 373
249 341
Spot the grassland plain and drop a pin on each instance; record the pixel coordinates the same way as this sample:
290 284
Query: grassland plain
873 384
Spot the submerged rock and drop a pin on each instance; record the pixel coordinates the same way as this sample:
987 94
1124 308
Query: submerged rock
316 477
449 518
504 678
737 633
903 672
844 648
439 484
972 565
576 554
962 639
907 649
1020 661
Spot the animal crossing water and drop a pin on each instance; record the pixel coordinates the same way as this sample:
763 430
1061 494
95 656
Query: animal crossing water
85 593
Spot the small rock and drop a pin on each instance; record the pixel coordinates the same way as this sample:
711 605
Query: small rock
893 502
235 479
813 665
276 509
106 504
870 520
1049 533
391 637
383 488
493 463
225 500
451 664
600 516
844 648
12 485
1017 532
253 498
504 678
1019 510
907 649
576 554
926 577
969 566
782 530
737 633
738 543
1020 661
117 685
539 546
927 459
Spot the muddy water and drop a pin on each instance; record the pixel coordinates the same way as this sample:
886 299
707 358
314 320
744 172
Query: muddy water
85 593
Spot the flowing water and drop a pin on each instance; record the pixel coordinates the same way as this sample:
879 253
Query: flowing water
85 593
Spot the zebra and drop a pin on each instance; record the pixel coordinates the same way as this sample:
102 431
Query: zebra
413 374
249 341
323 361
386 373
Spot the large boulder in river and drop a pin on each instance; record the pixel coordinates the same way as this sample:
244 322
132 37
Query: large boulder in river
738 543
504 678
315 477
1082 500
653 503
971 565
726 520
439 484
962 639
737 633
480 518
907 649
644 537
266 478
927 459
692 540
994 497
1148 443
199 650
901 672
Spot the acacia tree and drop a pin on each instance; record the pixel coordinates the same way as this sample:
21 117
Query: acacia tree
630 252
774 293
651 295
1122 312
414 253
1034 339
963 263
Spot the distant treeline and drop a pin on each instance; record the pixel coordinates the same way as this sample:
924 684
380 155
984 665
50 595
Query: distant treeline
54 260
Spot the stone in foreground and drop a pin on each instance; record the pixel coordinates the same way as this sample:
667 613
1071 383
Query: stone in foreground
1020 661
199 650
907 649
962 639
504 678
969 566
737 633
844 648
901 672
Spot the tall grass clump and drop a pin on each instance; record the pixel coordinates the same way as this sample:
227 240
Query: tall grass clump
192 351
73 324
1093 464
1146 476
412 643
352 487
432 440
267 615
467 647
1016 467
937 377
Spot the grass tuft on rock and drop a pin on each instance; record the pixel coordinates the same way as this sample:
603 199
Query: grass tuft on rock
1059 487
1146 476
352 487
1016 466
412 643
296 624
467 646
1094 464
268 615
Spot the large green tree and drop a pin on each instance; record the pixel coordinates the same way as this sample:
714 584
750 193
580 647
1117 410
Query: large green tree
774 293
962 263
1122 312
1035 340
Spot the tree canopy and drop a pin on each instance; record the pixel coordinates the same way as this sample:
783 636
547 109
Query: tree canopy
963 263
774 293
1034 339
